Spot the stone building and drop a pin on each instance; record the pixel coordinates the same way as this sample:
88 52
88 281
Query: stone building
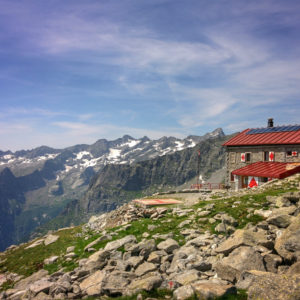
255 156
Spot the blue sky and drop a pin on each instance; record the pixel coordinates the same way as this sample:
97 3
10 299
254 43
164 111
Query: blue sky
75 71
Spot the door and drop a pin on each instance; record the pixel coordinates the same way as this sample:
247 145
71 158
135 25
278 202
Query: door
244 181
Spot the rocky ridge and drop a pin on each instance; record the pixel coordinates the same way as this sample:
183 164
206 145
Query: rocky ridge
227 241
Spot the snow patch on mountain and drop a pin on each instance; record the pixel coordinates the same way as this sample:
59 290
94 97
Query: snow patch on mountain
83 153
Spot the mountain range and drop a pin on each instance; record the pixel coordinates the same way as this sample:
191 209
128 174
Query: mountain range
38 185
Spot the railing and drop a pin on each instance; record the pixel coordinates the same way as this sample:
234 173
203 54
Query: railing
208 185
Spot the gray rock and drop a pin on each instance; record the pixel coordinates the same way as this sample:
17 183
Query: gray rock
281 221
92 285
272 261
263 213
50 260
119 243
168 245
147 283
144 268
116 283
187 277
143 248
272 286
288 244
135 261
184 292
23 284
184 223
70 249
244 237
294 269
155 256
229 220
222 227
210 290
204 213
98 240
239 260
97 260
202 266
42 285
70 255
201 240
50 239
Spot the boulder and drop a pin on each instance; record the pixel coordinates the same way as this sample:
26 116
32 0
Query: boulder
97 260
168 245
155 257
187 277
23 284
270 286
116 283
184 223
272 261
239 260
135 261
39 296
50 239
143 248
281 221
70 249
229 220
98 240
246 279
119 243
222 227
244 237
184 292
35 244
92 285
294 269
201 240
288 244
263 213
42 285
210 290
50 260
147 283
204 213
144 268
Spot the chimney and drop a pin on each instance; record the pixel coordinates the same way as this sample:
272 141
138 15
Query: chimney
270 123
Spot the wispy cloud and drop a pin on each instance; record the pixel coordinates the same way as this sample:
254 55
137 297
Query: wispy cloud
91 70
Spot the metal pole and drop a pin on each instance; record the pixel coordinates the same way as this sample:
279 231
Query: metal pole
198 170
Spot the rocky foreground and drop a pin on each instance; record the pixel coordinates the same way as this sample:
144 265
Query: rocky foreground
198 251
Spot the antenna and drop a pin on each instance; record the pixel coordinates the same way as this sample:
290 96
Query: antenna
198 170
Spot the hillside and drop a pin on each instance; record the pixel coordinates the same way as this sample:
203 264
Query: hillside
240 244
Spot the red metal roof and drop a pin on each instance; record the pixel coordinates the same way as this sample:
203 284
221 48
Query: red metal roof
269 169
271 138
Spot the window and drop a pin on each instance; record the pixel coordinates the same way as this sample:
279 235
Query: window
232 157
264 179
266 156
248 157
269 156
290 153
231 177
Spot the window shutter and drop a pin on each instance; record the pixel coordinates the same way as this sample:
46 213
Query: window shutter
243 157
271 156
